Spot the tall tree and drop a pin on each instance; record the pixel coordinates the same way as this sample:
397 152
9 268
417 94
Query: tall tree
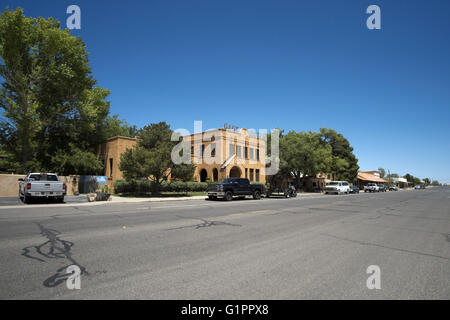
50 104
382 172
117 127
344 164
151 158
303 154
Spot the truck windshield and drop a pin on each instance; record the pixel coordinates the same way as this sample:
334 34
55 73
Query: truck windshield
44 177
333 184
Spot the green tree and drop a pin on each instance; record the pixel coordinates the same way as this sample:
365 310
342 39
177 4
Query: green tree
151 158
344 164
382 172
303 154
114 127
427 180
183 172
409 177
50 104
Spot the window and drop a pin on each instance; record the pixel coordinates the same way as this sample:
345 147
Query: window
238 151
251 153
245 152
203 151
111 167
251 174
231 149
246 173
192 151
257 154
213 150
257 175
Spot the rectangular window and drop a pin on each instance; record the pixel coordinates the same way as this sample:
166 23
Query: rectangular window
203 151
111 167
251 174
246 173
213 150
251 153
257 175
231 149
192 151
238 151
246 153
257 154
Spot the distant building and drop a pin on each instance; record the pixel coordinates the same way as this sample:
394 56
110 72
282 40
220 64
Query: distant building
221 153
109 153
401 182
365 177
217 154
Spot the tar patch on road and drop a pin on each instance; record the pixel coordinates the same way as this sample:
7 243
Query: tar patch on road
50 250
206 224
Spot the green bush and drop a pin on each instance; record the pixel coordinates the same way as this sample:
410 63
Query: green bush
147 186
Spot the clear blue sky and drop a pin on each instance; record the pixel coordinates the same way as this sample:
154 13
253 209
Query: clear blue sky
297 65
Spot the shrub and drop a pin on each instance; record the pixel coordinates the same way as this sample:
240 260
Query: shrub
147 186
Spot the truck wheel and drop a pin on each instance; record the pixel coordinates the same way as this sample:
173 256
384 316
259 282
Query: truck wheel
60 200
26 199
256 195
228 196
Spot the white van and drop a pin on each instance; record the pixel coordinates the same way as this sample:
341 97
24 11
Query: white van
337 187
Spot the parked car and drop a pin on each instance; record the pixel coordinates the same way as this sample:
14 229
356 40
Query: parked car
419 187
371 187
337 187
354 189
235 187
393 188
41 185
382 187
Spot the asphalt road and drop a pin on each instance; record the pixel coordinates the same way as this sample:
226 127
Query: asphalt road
15 201
310 247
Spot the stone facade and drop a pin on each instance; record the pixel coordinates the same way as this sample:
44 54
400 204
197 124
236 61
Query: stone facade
109 153
221 153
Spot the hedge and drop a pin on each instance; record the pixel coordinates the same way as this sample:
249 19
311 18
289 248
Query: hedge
147 186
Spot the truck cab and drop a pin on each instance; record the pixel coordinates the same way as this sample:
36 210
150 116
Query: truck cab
235 187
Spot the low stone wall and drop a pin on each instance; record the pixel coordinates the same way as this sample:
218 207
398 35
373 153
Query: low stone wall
9 184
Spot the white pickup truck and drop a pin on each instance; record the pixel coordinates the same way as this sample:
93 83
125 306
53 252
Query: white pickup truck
41 185
371 187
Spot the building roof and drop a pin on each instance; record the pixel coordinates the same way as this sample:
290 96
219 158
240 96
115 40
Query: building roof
369 177
122 137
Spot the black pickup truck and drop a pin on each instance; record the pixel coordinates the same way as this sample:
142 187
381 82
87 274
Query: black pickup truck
235 187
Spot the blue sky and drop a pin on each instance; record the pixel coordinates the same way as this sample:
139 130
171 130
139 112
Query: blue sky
297 65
